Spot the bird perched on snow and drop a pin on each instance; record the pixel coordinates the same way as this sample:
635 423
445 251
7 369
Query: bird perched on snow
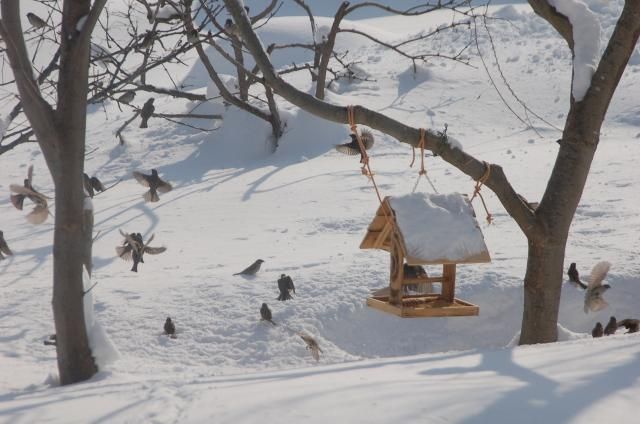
312 345
251 269
574 277
154 182
611 327
353 148
4 248
92 185
134 248
36 21
593 300
26 191
127 97
145 113
170 328
285 285
265 313
632 325
597 331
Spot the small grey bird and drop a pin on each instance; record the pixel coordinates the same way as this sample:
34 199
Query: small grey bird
147 40
611 327
145 113
265 313
127 97
597 331
312 345
134 248
251 269
593 300
231 28
285 285
574 277
4 248
154 182
170 327
353 148
92 184
36 21
40 211
193 36
632 325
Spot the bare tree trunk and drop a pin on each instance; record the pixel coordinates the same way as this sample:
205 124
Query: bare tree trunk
243 82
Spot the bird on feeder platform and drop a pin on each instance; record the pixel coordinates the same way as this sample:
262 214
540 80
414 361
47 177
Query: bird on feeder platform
353 147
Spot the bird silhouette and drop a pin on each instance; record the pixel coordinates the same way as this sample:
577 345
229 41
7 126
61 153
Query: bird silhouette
134 248
4 248
251 269
145 113
353 147
147 40
154 182
574 277
265 313
632 325
170 328
193 36
611 327
312 345
127 97
40 211
92 184
36 21
231 28
597 331
285 285
593 300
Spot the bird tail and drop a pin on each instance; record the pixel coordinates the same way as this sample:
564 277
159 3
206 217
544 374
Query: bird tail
143 124
367 138
272 322
134 268
151 196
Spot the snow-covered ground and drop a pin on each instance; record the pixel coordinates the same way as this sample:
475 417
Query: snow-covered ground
304 211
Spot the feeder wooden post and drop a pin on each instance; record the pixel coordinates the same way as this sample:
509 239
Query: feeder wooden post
448 282
396 276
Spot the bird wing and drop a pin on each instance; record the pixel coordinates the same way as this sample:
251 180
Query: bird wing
18 189
348 149
154 250
96 184
290 285
39 214
17 200
141 178
124 252
164 186
598 273
149 241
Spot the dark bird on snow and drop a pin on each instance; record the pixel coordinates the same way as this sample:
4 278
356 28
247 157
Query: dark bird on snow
154 182
611 327
127 97
265 313
251 269
36 21
40 211
4 248
145 113
133 248
285 285
597 331
574 277
312 345
169 327
593 300
632 325
353 148
92 184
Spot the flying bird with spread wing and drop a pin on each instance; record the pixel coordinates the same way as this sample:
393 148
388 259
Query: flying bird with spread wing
154 182
353 147
40 211
593 300
312 345
134 248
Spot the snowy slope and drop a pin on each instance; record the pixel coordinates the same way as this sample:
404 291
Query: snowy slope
304 210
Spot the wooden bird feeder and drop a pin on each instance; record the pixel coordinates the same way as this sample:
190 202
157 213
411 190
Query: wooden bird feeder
425 229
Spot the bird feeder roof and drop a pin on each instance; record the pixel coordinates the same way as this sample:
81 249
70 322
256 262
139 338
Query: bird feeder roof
433 229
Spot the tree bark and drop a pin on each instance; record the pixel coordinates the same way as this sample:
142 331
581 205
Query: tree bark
327 50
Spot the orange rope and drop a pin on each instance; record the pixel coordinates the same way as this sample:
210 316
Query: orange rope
366 169
476 190
422 171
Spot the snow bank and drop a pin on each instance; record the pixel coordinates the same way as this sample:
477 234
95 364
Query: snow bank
438 226
102 348
586 39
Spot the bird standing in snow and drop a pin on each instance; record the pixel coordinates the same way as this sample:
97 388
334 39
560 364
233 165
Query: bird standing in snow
251 269
593 300
26 191
170 328
134 248
611 327
632 325
353 148
285 285
4 247
574 277
312 345
265 313
145 113
597 331
154 182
